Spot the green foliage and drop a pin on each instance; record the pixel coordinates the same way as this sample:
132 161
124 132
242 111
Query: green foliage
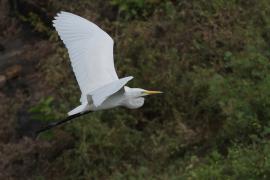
249 162
35 21
44 110
239 99
211 58
137 9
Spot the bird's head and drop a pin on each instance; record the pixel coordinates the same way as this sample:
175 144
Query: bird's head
135 96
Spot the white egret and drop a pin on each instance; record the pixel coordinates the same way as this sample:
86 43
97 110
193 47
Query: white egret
91 53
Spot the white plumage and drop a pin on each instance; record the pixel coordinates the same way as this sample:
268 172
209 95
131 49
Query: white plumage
90 50
91 53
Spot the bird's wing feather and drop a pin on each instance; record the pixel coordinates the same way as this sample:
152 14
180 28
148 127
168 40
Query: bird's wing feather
90 50
99 95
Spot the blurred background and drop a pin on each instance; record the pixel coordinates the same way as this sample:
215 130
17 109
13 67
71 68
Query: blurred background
211 58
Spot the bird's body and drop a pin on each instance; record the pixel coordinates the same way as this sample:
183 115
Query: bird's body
123 98
91 53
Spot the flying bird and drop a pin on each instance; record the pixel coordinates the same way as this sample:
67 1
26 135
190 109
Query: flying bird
90 51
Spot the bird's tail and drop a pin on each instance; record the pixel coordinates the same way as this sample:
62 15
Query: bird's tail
79 109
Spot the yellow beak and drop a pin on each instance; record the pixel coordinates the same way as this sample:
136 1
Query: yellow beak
152 92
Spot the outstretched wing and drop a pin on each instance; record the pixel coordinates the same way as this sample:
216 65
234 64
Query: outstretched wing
90 50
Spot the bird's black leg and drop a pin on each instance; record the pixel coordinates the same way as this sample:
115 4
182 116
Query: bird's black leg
57 123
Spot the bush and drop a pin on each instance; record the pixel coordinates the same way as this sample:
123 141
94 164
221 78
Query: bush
212 61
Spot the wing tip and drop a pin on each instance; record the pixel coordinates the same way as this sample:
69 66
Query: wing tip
61 14
59 17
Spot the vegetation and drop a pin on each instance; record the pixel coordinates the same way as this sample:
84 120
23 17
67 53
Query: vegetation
211 58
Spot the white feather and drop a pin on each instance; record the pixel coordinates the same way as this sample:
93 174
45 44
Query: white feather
91 53
83 107
101 94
